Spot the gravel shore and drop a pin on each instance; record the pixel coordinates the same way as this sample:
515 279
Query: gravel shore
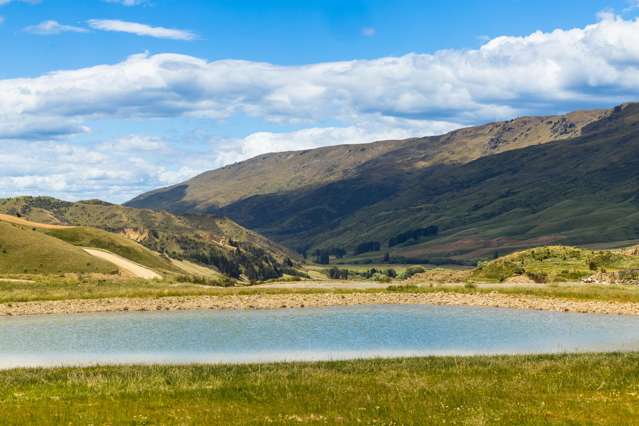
283 301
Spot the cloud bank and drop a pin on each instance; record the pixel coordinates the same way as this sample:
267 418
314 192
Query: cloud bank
391 97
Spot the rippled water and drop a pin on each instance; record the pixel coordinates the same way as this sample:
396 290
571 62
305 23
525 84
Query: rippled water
304 334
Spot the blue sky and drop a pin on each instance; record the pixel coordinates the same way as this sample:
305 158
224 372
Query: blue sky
145 94
285 32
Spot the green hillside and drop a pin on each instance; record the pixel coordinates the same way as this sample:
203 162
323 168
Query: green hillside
211 241
481 191
555 263
96 238
25 251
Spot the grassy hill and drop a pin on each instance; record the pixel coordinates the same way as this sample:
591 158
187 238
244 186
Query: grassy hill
459 197
555 263
25 251
211 241
97 238
291 171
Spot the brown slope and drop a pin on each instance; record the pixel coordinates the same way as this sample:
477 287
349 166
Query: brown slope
289 171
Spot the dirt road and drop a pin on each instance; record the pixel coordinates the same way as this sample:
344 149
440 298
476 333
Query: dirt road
129 266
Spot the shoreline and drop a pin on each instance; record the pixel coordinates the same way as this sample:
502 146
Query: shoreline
293 300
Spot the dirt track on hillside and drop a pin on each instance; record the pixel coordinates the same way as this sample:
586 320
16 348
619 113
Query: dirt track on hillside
129 266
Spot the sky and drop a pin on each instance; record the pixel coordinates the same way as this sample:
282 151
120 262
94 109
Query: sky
111 98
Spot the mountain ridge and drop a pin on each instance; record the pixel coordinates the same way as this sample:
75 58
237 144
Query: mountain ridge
306 168
495 187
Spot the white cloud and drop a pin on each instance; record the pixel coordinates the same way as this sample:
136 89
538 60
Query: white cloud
507 76
136 143
52 28
128 2
75 171
393 97
141 29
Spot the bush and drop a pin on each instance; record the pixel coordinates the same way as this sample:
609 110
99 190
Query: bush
413 270
338 274
538 277
381 278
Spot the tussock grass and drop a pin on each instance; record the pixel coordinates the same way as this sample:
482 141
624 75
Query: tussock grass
531 390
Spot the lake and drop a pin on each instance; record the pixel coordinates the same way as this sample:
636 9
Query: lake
304 335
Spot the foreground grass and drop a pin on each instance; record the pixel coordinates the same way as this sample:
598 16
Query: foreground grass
560 389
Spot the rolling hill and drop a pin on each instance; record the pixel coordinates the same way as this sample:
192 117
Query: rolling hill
24 250
215 242
459 197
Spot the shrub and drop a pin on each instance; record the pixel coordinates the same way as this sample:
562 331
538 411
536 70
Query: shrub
338 274
381 278
538 277
413 270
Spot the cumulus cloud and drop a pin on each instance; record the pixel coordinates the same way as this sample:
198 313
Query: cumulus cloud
392 97
540 73
52 28
75 171
140 29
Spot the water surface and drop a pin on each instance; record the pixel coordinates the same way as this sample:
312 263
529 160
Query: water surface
304 334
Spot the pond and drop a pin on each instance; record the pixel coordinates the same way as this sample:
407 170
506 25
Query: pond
304 335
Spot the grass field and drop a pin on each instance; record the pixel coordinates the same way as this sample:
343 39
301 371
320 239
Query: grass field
534 390
59 288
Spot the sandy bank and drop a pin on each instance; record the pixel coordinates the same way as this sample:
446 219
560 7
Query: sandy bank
281 301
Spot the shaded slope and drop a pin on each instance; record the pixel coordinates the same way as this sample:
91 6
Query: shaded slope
482 196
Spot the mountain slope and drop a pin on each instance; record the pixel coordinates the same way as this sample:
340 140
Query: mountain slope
464 195
212 241
291 171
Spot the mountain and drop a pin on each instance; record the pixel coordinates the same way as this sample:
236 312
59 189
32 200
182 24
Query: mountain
211 241
459 197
